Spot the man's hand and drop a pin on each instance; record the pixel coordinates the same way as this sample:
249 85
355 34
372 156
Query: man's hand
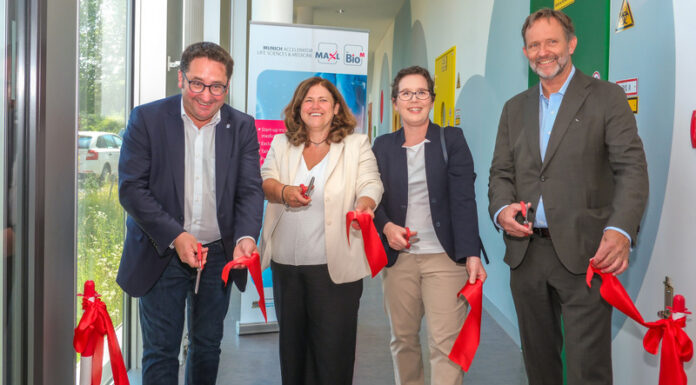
475 269
506 219
612 254
396 236
186 246
245 247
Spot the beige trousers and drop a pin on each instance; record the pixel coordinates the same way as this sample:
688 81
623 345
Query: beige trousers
415 285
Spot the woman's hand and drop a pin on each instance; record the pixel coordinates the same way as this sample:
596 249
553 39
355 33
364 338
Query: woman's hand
396 236
475 269
364 205
292 196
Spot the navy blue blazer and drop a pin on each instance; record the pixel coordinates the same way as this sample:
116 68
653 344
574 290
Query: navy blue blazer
450 187
151 188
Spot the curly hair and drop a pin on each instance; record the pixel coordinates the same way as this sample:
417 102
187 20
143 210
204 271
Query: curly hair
342 125
208 50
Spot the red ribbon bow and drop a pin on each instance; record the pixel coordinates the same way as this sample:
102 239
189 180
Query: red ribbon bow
677 348
88 339
254 265
467 342
376 257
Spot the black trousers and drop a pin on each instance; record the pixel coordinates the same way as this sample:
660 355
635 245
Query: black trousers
544 291
318 322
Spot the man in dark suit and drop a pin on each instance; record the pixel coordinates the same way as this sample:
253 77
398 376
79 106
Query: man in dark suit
570 148
188 173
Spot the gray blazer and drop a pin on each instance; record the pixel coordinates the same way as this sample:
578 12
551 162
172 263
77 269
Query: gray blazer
594 174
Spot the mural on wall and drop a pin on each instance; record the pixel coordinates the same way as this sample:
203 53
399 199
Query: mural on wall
445 72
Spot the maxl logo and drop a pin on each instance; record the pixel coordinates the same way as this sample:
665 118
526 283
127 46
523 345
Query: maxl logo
327 53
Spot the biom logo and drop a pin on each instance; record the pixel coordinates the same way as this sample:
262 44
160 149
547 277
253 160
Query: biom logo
353 54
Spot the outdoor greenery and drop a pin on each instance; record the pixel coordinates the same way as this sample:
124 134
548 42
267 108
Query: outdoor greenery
102 95
100 227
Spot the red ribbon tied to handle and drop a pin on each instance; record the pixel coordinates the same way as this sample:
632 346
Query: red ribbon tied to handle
374 251
467 342
88 339
677 347
254 265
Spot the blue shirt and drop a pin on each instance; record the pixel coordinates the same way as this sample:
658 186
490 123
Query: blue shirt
548 110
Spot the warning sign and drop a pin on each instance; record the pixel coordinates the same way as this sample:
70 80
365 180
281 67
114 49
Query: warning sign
625 17
560 4
633 103
630 86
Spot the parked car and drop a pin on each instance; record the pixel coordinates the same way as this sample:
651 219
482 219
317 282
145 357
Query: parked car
97 154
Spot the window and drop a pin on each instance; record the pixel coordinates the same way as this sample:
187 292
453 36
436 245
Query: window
104 104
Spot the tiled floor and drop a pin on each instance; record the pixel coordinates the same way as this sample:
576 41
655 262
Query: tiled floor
253 359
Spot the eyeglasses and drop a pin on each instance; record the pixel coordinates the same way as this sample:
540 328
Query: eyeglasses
420 95
197 87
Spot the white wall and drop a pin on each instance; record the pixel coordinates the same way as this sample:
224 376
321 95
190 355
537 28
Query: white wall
673 254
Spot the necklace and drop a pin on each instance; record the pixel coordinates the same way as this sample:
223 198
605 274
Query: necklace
317 143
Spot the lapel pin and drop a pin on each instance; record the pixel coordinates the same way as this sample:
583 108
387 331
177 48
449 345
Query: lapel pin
228 125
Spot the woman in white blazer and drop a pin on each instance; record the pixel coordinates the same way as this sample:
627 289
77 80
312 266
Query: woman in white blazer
317 274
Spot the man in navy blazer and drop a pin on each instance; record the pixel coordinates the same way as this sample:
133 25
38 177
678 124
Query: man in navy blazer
188 173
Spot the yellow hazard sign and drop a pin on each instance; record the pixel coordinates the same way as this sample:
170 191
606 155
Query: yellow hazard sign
633 102
560 4
625 17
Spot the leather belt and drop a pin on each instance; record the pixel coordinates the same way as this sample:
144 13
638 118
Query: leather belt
541 232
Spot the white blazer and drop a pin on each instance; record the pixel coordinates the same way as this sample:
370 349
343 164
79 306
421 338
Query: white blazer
351 173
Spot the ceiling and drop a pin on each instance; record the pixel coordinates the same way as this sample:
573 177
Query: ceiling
373 15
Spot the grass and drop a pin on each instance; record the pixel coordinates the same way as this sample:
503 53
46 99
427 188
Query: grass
100 232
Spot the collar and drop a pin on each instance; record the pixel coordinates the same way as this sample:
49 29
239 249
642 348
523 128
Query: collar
213 122
563 89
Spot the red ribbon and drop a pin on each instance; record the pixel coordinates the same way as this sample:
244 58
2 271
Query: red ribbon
376 257
254 265
467 342
677 347
88 339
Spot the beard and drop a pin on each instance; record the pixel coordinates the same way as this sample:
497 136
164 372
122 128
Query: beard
561 64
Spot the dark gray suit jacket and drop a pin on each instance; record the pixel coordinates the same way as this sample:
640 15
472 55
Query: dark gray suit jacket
594 174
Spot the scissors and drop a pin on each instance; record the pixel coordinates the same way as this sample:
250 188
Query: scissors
307 190
408 238
199 254
524 213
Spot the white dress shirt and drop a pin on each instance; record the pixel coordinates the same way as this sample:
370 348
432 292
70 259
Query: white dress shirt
301 230
418 217
200 208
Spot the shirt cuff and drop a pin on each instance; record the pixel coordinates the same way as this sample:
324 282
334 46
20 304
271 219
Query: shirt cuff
246 236
625 234
495 217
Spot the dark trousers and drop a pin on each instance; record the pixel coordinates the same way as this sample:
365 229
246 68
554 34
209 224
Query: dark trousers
162 321
544 291
318 322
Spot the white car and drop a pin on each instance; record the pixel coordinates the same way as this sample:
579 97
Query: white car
98 153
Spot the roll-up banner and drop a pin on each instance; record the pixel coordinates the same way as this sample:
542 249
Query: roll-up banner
280 57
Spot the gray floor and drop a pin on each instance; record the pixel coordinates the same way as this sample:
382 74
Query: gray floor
253 359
